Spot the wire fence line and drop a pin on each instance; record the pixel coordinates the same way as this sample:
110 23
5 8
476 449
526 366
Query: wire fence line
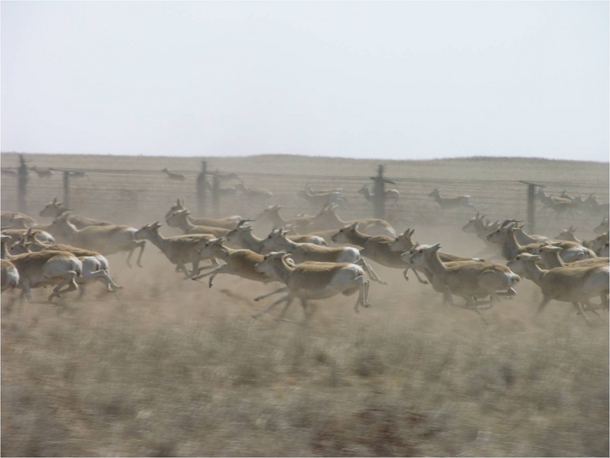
134 196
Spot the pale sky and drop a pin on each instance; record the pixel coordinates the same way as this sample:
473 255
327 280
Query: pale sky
395 80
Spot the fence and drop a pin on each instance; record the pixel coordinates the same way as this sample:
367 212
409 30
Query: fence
141 196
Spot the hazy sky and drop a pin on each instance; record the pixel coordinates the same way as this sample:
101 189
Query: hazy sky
400 80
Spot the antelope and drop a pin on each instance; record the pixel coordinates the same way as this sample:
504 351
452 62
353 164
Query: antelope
10 275
551 258
389 195
594 244
505 237
15 234
451 202
182 220
468 279
403 243
559 204
328 219
323 198
17 220
302 252
44 268
251 194
596 206
95 265
566 284
174 176
272 213
242 236
55 209
376 248
179 250
477 225
238 262
313 280
42 173
102 239
227 223
10 172
223 192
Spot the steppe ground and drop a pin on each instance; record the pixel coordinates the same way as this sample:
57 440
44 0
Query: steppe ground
171 367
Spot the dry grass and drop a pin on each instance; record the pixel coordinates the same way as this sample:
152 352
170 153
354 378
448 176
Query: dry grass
174 368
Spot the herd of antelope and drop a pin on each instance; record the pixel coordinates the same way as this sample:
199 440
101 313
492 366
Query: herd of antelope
312 257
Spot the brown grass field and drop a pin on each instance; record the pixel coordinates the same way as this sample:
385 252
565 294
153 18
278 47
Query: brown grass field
173 368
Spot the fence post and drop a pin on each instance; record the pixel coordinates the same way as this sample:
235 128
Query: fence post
216 194
201 188
66 188
379 190
22 191
531 205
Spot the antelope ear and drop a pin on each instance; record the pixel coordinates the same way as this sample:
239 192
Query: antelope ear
353 226
283 231
178 201
435 247
156 225
55 200
187 212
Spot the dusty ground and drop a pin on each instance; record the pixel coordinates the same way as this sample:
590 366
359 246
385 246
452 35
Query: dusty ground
171 367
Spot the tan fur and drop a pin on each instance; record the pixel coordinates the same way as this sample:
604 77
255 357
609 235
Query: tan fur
240 262
17 220
328 219
377 248
10 275
44 268
16 234
55 209
450 202
227 223
182 220
103 239
566 284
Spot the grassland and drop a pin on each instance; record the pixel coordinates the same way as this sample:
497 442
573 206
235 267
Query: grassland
172 367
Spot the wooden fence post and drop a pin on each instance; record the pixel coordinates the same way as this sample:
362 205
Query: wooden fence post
201 189
216 194
66 188
22 183
531 205
379 193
